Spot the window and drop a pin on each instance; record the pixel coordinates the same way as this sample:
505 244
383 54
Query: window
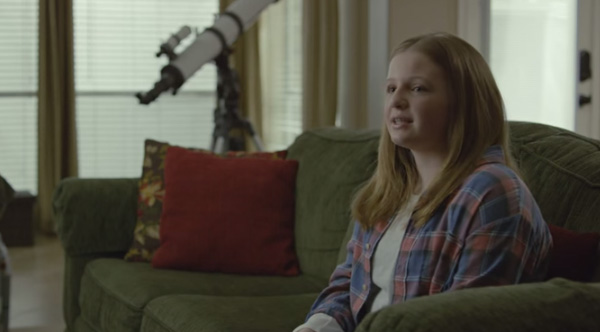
18 93
533 57
115 46
281 71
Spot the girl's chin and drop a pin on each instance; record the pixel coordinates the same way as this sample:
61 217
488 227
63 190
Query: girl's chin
402 142
402 137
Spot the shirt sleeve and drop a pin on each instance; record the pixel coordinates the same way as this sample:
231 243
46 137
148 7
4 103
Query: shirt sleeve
334 300
505 239
506 251
321 323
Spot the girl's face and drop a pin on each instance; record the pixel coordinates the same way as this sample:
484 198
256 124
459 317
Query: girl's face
417 103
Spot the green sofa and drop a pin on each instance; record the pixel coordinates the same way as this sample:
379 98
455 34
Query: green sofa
102 292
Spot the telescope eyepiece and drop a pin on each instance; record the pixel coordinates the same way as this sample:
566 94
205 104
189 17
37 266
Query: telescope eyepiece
171 78
169 46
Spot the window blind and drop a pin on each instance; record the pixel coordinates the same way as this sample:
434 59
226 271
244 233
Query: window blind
115 46
18 93
281 73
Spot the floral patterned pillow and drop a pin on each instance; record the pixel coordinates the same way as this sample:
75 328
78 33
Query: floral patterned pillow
152 191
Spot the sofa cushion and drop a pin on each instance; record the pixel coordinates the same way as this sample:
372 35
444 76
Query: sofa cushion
227 215
114 292
562 170
194 313
551 158
556 305
333 163
81 325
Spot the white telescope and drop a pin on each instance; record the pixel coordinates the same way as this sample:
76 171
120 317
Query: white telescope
168 47
213 41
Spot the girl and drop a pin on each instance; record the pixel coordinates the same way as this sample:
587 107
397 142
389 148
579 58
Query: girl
445 208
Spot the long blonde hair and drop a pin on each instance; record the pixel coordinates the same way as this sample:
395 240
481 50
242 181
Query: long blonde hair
476 122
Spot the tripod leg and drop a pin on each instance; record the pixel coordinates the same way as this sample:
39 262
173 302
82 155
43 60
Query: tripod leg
220 136
217 146
257 142
213 143
255 139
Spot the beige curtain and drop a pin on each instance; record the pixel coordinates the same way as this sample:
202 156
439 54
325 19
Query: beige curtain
57 151
335 60
245 60
352 65
320 63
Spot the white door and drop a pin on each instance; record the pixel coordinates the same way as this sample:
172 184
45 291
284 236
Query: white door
533 49
588 38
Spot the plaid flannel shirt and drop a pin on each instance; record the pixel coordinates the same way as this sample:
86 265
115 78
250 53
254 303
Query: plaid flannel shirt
490 232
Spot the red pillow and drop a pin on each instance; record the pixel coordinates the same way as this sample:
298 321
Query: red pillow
227 215
574 255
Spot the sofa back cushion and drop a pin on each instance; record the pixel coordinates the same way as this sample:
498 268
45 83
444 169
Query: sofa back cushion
333 163
562 170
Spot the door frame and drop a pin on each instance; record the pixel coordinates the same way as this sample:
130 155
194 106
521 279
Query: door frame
474 27
474 24
587 117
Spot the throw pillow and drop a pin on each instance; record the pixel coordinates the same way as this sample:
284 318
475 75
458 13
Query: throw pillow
151 194
574 255
227 215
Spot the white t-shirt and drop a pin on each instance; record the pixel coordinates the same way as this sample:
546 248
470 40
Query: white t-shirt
382 274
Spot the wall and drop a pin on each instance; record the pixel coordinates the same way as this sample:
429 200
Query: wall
377 59
404 19
408 18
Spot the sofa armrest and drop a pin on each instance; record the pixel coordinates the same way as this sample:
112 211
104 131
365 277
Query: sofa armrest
95 215
556 305
6 194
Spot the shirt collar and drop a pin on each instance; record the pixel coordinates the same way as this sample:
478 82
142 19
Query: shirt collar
493 154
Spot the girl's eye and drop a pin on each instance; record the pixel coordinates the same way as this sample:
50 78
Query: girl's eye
390 89
418 88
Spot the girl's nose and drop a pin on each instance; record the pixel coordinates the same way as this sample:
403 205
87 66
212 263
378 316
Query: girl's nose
399 102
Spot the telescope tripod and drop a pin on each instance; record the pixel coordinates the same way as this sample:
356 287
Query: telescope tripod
227 117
